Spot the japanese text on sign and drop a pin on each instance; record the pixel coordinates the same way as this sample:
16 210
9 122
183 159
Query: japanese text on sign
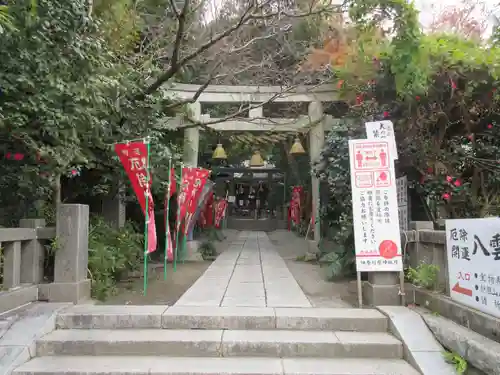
402 188
473 252
382 130
375 207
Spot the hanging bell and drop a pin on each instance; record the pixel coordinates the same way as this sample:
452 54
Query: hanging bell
219 152
297 147
256 160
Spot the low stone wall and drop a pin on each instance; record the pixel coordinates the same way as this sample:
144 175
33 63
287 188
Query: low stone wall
425 245
24 254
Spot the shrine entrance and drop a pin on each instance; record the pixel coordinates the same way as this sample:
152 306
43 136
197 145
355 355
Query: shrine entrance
264 109
256 197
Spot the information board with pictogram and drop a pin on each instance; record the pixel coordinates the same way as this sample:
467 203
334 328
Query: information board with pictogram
375 207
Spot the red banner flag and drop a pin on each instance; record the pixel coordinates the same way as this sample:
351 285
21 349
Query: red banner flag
173 183
193 180
199 181
171 189
295 204
133 157
220 211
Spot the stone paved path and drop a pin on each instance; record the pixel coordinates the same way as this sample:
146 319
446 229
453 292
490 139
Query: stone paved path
250 273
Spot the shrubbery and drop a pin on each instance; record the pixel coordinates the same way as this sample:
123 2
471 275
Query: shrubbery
112 255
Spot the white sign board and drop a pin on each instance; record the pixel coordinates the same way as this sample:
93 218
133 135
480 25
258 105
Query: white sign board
402 189
382 130
375 207
473 252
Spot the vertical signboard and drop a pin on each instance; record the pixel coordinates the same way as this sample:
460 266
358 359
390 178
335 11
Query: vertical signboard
375 207
383 131
402 190
473 252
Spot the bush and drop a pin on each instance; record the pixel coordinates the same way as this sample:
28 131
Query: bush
336 214
207 250
425 275
112 255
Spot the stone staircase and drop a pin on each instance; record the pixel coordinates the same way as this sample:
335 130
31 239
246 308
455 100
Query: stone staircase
182 340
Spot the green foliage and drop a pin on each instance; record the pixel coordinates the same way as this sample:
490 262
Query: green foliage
333 169
456 360
207 250
67 94
340 261
440 91
403 57
5 19
425 275
112 255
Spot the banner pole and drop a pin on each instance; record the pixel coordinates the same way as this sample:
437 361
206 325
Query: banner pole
167 224
178 224
146 216
184 237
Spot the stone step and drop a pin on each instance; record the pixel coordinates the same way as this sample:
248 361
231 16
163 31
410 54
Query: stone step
208 317
212 366
220 343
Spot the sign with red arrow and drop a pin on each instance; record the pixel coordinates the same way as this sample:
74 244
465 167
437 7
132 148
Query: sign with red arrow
459 289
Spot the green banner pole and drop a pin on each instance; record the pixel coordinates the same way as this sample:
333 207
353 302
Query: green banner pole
178 222
184 238
146 216
167 224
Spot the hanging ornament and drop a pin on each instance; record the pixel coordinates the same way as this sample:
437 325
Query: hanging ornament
446 196
458 183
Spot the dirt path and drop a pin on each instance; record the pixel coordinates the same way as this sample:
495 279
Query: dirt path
160 291
310 276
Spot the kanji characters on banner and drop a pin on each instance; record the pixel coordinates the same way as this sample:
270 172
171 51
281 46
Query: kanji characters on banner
133 157
220 211
193 181
199 205
295 204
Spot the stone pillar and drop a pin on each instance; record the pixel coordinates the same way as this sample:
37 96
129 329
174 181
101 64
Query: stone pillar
192 137
191 149
316 142
71 257
113 210
33 254
382 289
12 264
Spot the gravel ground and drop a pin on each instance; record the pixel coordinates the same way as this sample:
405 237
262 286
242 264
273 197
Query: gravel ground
160 291
311 276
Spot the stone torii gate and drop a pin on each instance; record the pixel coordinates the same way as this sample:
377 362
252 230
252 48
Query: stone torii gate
255 97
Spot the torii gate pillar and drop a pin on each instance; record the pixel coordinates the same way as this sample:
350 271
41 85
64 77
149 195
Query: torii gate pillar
192 138
316 143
